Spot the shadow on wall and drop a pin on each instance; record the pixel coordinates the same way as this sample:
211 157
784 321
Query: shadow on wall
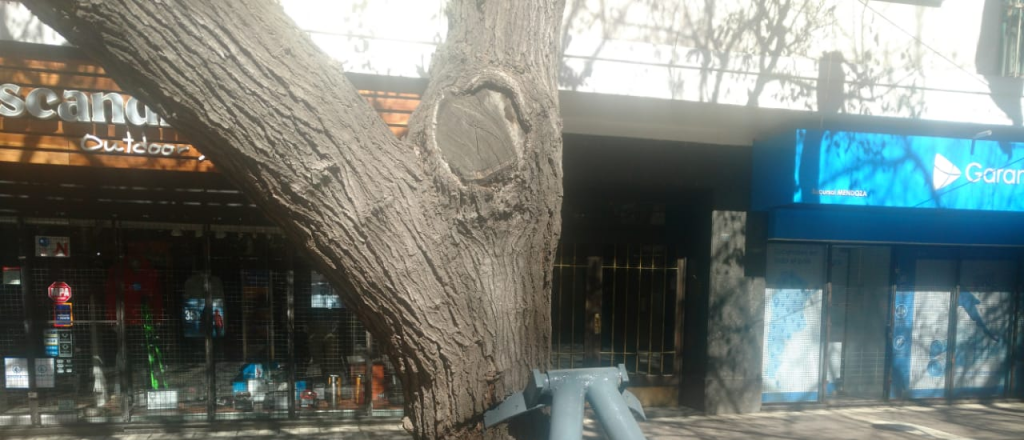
736 321
17 24
831 97
721 51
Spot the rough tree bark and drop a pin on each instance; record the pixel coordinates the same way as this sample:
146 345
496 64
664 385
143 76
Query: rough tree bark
442 244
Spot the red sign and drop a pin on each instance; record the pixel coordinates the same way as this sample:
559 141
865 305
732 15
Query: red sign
59 292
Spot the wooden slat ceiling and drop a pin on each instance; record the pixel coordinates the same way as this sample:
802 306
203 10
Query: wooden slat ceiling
34 190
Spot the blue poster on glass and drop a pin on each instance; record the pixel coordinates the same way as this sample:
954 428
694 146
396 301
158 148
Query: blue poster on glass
790 369
792 344
919 344
982 349
194 321
1019 352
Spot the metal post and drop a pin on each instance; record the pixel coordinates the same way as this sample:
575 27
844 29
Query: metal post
951 343
1011 341
368 378
25 251
611 410
122 338
592 311
680 330
270 300
954 300
567 403
826 327
890 326
211 366
99 380
290 293
1015 331
846 313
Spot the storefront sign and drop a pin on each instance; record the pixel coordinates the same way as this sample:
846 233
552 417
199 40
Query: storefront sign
50 246
76 106
64 366
94 144
16 373
50 342
59 292
62 315
44 373
872 169
194 321
65 339
58 342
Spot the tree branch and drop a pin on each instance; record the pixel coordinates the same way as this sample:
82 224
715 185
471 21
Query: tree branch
260 99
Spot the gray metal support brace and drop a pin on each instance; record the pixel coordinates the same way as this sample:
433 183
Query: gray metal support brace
612 411
567 403
566 391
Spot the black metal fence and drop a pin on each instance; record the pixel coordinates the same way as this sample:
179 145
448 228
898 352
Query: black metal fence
616 307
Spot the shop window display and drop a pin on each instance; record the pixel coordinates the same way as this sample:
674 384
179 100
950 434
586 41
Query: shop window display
159 372
333 354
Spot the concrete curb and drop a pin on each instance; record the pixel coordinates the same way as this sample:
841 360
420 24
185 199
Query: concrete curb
250 428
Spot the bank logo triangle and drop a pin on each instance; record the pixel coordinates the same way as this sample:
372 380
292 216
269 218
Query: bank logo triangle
944 173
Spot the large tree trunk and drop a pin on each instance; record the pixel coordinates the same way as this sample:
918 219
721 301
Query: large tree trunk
441 244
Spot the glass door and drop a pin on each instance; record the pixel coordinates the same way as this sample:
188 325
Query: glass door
858 309
791 364
1018 341
952 322
925 284
984 316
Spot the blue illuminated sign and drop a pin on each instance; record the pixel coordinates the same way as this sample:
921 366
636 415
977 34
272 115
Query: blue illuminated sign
871 169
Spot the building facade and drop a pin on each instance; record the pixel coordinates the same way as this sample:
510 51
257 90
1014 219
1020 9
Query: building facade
792 201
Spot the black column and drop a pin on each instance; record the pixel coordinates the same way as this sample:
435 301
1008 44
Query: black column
290 292
368 377
123 376
25 251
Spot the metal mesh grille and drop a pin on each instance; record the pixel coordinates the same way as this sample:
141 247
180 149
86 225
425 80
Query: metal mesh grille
982 348
251 354
858 310
568 301
165 374
641 309
792 345
638 306
333 355
167 377
12 330
80 378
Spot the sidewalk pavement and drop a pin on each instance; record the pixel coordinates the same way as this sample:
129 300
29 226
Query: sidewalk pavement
978 421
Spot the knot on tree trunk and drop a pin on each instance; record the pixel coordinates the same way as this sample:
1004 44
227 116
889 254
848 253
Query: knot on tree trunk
479 132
